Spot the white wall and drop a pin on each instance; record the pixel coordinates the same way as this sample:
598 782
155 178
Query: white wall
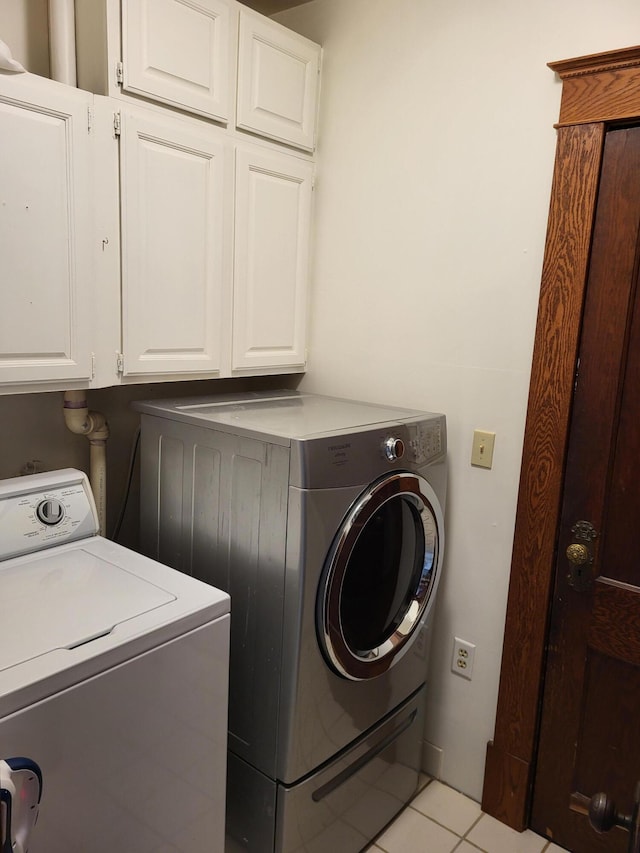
435 163
24 27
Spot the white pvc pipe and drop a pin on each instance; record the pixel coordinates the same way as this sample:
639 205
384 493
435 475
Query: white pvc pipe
62 41
94 426
98 479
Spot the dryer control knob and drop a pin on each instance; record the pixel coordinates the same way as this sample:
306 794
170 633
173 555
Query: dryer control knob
394 449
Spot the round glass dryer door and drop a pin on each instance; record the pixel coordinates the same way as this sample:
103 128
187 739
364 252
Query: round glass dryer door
380 576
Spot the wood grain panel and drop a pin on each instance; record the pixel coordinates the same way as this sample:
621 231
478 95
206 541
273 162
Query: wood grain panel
505 778
615 621
574 702
611 96
573 198
600 87
605 729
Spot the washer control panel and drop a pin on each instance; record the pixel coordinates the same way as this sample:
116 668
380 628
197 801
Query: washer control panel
42 510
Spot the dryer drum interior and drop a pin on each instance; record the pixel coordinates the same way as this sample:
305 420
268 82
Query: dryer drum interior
380 576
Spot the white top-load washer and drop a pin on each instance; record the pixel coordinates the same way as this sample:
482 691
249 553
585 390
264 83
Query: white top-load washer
113 685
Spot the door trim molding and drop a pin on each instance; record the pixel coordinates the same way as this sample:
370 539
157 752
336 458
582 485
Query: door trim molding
595 90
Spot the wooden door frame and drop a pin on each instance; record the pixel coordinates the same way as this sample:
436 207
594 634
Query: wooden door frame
596 91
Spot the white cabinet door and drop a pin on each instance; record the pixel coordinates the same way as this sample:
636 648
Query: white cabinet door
271 259
278 73
173 193
45 231
179 53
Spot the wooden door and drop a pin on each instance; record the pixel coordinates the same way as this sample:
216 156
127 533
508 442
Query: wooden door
174 197
589 726
271 259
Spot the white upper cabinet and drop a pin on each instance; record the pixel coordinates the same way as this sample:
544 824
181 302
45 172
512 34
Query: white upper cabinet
45 231
272 227
178 53
173 195
171 243
278 78
171 51
209 57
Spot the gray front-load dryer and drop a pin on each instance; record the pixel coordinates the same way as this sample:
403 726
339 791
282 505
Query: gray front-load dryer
323 518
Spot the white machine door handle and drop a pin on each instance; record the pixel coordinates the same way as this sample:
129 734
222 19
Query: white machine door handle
20 793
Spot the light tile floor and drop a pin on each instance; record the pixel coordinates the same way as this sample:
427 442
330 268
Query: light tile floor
441 820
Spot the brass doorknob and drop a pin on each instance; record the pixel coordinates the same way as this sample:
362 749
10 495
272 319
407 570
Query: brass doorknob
578 554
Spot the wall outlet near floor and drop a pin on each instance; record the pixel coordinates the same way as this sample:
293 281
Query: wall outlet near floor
462 658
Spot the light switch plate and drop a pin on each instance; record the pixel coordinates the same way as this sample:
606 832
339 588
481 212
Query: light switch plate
482 449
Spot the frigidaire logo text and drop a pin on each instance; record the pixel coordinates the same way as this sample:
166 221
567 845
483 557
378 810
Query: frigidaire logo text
334 447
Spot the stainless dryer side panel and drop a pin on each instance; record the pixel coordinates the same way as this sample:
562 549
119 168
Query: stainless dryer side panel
214 505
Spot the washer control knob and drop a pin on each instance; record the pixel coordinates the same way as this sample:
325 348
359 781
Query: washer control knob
394 449
50 511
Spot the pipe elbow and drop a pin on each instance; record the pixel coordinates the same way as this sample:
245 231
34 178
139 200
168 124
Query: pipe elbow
81 421
98 431
76 412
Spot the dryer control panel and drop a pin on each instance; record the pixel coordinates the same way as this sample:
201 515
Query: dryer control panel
355 458
425 440
41 510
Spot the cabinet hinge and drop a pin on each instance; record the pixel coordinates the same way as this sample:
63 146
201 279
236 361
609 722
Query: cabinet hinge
119 73
116 124
119 362
89 119
576 376
93 365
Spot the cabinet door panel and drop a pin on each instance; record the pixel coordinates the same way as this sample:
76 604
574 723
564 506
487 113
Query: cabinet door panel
277 81
172 196
273 210
44 231
179 53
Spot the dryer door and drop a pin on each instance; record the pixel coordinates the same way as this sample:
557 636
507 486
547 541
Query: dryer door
381 576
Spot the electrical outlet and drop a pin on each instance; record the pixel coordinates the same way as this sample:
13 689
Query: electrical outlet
462 658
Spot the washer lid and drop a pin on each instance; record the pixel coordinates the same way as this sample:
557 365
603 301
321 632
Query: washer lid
62 600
